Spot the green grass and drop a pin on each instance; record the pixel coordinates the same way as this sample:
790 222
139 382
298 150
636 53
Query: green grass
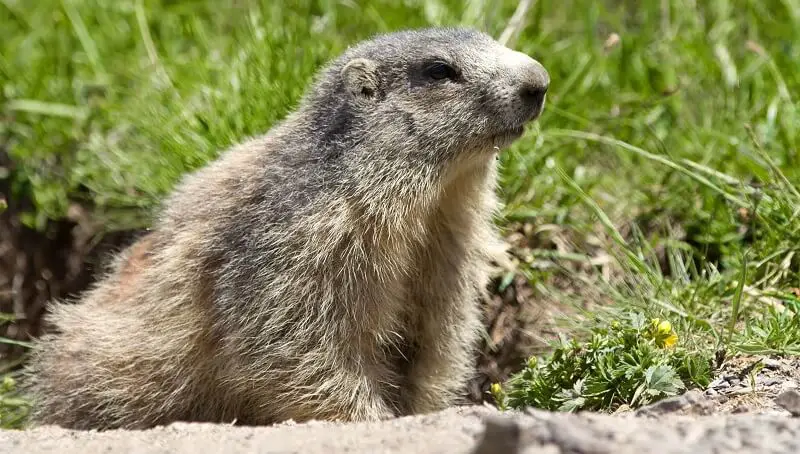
662 179
13 406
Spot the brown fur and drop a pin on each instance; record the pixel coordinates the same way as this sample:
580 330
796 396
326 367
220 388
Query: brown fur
137 257
329 269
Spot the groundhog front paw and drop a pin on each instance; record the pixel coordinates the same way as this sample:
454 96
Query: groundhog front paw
377 412
420 400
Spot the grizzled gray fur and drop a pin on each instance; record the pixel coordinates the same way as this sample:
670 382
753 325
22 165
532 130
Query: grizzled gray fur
329 269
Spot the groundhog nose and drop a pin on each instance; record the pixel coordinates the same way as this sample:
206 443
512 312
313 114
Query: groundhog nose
534 85
533 94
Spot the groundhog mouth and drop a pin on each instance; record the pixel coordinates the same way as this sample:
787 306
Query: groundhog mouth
516 132
508 136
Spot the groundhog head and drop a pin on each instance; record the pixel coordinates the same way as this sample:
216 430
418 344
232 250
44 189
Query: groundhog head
430 96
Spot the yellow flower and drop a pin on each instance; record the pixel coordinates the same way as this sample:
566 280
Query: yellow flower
663 333
670 340
496 389
664 328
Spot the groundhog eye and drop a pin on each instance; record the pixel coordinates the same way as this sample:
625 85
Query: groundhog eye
440 70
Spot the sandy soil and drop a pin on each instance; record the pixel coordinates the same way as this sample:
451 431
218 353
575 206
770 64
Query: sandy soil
671 427
752 407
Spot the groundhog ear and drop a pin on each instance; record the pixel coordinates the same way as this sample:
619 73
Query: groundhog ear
360 77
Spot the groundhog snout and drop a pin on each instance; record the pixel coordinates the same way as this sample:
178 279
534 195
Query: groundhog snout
522 87
533 84
532 94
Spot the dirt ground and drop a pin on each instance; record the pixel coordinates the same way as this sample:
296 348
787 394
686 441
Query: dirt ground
476 430
752 407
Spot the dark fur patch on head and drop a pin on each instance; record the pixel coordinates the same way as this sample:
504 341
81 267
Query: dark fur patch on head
414 115
411 127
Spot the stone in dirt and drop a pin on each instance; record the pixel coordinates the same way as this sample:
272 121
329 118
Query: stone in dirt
692 402
500 436
790 401
467 430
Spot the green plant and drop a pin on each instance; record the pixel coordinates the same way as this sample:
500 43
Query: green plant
776 331
13 406
633 361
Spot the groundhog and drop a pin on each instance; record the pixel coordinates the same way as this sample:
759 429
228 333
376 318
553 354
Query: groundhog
330 269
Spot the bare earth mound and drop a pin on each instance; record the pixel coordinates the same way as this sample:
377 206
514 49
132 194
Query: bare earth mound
478 430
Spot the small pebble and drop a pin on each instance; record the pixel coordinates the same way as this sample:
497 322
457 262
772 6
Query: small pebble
500 436
768 381
771 363
741 408
742 390
718 384
790 401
